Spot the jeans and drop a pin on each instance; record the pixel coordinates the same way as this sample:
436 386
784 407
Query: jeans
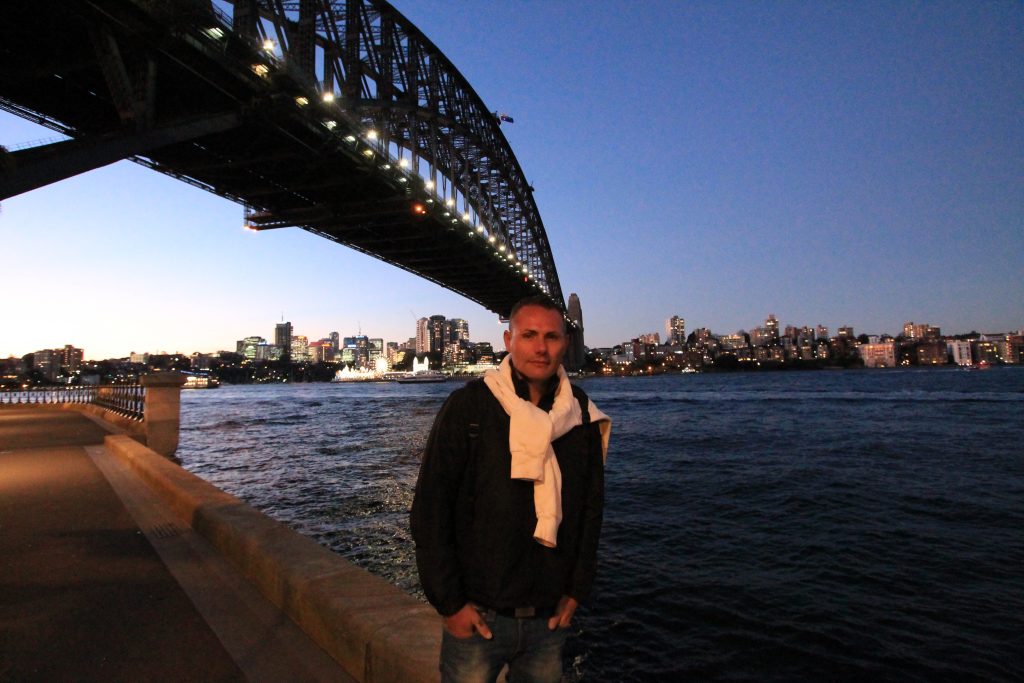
532 651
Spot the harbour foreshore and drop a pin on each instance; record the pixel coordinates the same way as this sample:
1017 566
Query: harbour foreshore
370 630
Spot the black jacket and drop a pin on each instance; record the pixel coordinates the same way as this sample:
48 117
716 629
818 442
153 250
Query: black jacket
473 524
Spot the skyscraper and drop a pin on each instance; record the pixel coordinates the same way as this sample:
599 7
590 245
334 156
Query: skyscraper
437 338
283 339
458 330
771 327
675 331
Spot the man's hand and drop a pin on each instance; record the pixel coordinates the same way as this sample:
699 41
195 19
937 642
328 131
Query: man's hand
563 613
465 621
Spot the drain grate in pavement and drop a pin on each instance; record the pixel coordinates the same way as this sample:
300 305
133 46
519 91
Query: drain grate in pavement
166 530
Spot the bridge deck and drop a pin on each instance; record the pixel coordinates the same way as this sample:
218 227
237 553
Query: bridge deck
100 583
124 81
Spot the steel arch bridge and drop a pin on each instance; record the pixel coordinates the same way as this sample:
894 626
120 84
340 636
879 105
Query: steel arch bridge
339 117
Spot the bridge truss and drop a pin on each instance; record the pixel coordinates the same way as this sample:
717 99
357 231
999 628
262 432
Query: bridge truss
339 117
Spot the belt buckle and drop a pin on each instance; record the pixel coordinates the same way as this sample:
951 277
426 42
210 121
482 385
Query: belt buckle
525 612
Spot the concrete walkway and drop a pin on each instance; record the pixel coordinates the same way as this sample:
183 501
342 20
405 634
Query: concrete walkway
98 581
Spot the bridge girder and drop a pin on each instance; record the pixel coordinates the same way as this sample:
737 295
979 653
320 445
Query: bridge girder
123 69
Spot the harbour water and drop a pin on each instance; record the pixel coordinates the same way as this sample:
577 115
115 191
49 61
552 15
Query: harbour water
849 525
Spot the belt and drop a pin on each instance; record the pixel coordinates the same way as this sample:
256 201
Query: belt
521 612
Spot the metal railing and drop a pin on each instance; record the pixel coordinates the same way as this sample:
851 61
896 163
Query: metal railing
124 399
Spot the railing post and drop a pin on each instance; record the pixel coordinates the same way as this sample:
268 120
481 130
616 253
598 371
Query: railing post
162 412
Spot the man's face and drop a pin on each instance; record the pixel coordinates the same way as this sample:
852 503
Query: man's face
536 341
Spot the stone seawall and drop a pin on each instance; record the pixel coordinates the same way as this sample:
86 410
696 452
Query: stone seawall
373 629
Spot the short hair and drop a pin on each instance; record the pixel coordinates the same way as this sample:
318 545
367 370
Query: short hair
541 300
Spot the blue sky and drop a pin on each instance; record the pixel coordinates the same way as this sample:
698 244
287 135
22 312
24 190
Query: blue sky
832 163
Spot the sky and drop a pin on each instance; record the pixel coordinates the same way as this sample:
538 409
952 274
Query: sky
831 163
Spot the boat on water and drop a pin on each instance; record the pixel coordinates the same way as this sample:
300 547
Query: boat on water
198 380
422 377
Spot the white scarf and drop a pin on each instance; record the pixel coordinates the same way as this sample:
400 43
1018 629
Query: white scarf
531 431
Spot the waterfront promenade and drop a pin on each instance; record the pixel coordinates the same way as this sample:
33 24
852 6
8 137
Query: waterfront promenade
100 579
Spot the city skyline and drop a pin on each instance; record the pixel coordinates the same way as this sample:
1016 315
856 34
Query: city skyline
649 333
835 165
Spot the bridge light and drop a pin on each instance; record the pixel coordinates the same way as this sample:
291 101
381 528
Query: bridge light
367 152
419 209
491 239
269 45
480 229
260 70
404 163
301 101
350 138
214 32
328 96
330 125
385 167
429 185
371 134
501 248
465 216
449 202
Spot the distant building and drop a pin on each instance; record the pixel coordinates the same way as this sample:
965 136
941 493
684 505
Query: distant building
702 335
984 351
880 355
422 336
432 333
959 351
845 333
675 331
71 358
821 332
1011 349
458 330
483 352
732 342
283 337
374 351
47 362
913 330
771 327
760 336
437 333
932 353
321 351
391 350
247 347
299 348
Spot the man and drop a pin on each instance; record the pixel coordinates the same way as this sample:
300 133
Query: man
508 508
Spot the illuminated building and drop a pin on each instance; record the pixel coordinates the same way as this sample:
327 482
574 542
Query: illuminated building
771 327
247 347
299 348
675 331
880 355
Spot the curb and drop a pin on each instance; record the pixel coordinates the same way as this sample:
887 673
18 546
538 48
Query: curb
378 633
